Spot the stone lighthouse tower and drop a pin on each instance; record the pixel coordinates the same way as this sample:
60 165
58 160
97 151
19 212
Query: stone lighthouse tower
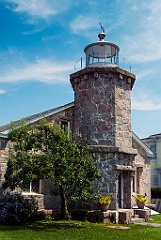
102 114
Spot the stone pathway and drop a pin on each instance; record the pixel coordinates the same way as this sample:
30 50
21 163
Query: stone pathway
150 224
119 227
143 223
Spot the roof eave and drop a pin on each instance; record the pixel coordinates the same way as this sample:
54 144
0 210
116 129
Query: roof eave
41 116
143 145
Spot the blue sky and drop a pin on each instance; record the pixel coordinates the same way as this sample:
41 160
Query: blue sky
41 40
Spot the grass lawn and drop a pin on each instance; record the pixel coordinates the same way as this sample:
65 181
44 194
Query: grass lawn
73 230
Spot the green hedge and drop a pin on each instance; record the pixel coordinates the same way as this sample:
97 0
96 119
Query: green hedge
156 193
79 214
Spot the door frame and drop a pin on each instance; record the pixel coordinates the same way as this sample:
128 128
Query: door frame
120 190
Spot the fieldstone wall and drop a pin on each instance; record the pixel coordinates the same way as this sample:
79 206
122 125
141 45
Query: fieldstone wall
110 163
3 163
51 201
103 106
143 171
102 114
123 116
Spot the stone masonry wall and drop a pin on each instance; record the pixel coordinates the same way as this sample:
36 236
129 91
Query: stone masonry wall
102 106
123 118
3 163
142 162
110 162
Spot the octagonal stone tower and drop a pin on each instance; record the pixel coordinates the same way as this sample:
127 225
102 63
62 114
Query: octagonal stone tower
102 114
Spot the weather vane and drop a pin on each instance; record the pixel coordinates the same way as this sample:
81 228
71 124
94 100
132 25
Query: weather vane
102 28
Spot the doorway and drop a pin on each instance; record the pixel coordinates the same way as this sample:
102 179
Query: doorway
120 190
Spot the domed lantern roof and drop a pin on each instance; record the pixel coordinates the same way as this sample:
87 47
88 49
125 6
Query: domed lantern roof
102 53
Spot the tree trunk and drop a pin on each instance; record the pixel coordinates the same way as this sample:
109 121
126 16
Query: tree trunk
64 210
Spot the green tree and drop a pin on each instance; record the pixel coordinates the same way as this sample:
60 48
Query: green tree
42 152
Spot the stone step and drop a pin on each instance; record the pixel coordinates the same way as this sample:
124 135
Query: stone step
135 216
143 213
137 220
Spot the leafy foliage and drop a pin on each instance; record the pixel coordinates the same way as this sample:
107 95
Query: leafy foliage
41 151
15 209
156 193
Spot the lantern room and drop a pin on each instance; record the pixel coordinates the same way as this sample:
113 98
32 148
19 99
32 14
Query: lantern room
102 53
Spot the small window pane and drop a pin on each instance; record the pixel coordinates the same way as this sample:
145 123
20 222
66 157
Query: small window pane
155 180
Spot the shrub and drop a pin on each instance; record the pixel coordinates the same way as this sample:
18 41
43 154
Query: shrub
79 214
156 193
15 209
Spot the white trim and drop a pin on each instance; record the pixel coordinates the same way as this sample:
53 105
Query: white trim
143 145
30 189
40 186
68 128
3 135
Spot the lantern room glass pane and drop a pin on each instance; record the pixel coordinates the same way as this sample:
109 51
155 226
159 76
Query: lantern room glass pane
102 53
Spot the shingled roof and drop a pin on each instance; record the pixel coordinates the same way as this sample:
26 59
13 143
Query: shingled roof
154 136
4 130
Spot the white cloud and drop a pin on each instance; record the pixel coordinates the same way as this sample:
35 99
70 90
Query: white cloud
137 24
145 72
142 43
2 91
36 30
143 47
41 70
39 8
146 102
83 23
148 105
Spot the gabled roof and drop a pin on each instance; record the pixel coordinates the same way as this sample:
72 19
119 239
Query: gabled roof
4 130
143 145
154 136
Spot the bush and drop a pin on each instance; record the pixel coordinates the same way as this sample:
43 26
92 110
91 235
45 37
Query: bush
15 209
156 193
79 214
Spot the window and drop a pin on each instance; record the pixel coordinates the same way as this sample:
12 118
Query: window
66 125
155 180
3 143
35 186
153 148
